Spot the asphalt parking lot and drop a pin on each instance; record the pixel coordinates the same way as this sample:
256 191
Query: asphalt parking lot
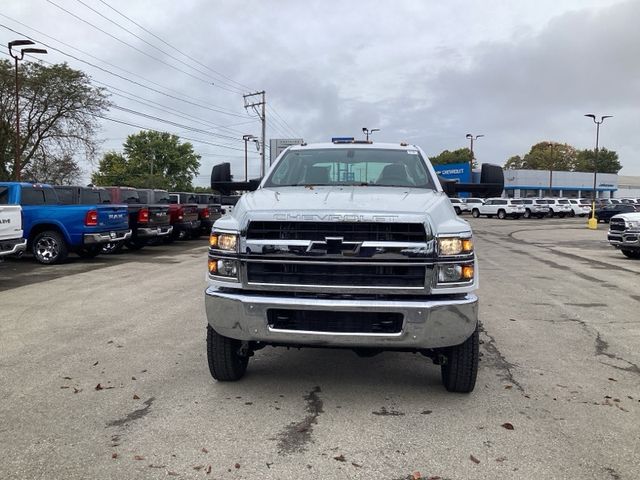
103 374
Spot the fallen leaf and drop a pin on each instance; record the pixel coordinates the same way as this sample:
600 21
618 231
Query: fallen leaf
198 467
98 387
356 465
473 459
208 470
237 465
172 473
151 465
426 412
114 455
416 476
612 379
76 390
136 397
138 457
143 371
95 364
110 341
508 387
65 386
507 425
269 464
340 458
501 459
69 378
133 378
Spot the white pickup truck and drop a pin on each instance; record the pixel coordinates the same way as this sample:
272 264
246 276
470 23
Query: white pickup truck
11 241
624 233
345 245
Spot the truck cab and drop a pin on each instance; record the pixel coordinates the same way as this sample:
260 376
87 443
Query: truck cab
344 245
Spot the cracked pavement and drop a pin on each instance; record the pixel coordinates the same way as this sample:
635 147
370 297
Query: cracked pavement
560 335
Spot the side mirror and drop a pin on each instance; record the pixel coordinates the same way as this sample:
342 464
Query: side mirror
221 173
221 181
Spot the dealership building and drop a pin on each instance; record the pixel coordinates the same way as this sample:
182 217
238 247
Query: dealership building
542 183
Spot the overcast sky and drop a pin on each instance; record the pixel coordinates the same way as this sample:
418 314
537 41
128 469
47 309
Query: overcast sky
426 72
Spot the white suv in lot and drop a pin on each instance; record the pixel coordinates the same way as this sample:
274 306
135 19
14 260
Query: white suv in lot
578 208
535 207
559 207
500 207
458 205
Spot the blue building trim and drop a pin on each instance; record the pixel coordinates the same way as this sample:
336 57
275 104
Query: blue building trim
557 187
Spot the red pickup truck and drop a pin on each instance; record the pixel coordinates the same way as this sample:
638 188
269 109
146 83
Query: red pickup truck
183 216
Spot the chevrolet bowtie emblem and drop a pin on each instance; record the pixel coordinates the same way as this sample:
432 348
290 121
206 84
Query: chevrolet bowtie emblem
335 246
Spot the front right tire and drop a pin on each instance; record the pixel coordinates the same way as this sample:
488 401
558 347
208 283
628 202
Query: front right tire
635 254
226 363
460 369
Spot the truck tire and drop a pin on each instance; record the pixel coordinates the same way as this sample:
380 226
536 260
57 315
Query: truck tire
461 367
551 213
49 247
225 363
502 214
527 213
631 253
475 213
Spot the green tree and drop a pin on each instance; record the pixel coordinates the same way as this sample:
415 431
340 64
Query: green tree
551 156
57 170
607 161
514 162
150 159
461 155
58 109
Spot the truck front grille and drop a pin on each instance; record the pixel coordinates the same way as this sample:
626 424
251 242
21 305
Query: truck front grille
350 275
335 322
617 225
349 231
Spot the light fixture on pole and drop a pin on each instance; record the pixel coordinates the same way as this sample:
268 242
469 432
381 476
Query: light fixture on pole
19 55
368 132
593 223
471 137
246 139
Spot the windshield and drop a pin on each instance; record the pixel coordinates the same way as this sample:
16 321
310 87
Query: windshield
351 166
161 197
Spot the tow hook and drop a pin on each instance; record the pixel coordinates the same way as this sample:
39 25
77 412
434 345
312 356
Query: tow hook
440 359
244 350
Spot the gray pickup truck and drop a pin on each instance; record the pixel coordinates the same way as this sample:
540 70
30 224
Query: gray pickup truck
350 246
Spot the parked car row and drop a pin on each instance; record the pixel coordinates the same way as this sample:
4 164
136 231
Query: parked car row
540 207
53 221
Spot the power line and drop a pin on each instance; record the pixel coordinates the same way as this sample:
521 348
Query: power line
155 47
174 48
185 100
288 127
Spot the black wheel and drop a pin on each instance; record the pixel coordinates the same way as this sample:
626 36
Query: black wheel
475 213
112 247
91 251
635 254
226 364
527 213
562 215
461 366
572 213
501 214
551 213
49 247
457 209
136 244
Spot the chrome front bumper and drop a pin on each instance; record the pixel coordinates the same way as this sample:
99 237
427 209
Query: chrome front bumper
427 323
13 246
154 231
628 238
106 237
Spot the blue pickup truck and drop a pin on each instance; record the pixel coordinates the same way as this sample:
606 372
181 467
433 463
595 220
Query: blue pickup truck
53 230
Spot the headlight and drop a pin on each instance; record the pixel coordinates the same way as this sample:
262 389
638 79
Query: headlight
224 241
223 267
448 246
634 224
452 273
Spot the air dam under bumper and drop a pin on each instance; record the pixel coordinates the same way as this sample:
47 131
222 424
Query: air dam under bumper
106 237
426 324
160 231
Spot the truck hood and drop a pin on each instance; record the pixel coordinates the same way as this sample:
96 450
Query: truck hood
630 217
346 203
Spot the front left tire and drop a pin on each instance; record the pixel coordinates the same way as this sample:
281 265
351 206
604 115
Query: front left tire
226 363
635 254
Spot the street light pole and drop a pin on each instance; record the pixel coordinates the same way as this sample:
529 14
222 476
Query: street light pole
472 138
19 56
368 132
593 223
246 139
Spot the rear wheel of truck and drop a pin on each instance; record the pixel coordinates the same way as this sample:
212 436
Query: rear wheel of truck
49 247
226 364
461 367
631 253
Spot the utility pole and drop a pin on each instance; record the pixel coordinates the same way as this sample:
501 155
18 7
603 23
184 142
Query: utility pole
249 103
19 56
473 157
368 132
